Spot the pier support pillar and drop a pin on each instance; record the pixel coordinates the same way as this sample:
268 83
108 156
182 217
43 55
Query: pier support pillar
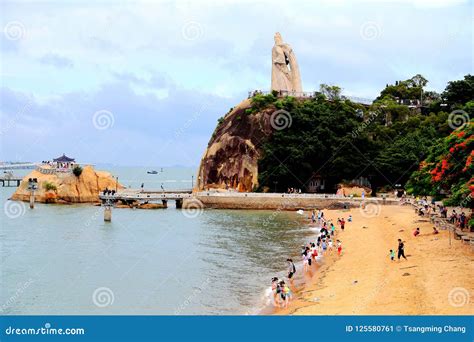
179 203
165 203
32 200
108 214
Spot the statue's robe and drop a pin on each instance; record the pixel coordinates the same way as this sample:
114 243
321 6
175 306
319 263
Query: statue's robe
285 70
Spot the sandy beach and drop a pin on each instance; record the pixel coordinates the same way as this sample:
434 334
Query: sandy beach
436 279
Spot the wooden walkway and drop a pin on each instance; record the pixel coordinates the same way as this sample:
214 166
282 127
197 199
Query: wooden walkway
8 180
147 196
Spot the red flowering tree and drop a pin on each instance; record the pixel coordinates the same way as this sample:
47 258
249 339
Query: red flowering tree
448 169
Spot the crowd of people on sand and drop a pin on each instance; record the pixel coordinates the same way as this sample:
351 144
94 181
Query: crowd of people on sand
459 219
326 242
311 252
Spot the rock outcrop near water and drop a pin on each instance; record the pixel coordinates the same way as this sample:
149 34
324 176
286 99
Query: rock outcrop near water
66 187
230 160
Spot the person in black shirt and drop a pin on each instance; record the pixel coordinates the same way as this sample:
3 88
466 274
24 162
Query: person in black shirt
401 249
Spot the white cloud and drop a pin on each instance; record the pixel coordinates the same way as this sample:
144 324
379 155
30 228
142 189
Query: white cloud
133 56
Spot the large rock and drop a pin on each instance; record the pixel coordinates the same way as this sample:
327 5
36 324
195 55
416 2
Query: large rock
69 188
231 158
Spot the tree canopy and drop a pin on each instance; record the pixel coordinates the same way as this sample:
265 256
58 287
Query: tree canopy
339 140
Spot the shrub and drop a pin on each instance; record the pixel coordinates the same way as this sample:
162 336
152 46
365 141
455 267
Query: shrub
48 186
77 170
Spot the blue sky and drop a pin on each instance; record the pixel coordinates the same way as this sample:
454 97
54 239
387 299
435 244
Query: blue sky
144 82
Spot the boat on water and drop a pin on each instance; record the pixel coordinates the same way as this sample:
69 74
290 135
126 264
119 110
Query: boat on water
153 172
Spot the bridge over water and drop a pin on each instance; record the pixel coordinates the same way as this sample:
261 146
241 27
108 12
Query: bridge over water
19 166
129 196
238 200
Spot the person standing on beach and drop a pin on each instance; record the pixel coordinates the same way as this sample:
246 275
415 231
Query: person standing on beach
305 257
291 268
343 223
330 243
401 250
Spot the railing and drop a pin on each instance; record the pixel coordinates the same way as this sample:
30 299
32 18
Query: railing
285 195
45 171
308 95
144 196
18 166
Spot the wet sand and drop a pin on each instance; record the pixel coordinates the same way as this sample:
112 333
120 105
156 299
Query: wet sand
437 279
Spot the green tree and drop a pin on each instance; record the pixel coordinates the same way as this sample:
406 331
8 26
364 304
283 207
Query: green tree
459 92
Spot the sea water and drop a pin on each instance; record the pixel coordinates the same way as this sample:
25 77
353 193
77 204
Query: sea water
64 259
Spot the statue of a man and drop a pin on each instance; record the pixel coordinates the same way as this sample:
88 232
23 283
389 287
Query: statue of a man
285 71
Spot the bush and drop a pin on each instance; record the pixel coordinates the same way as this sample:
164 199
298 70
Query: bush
48 186
77 170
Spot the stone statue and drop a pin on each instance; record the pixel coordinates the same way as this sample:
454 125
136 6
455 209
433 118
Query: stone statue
285 70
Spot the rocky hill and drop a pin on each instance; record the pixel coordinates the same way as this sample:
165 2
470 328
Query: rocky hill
231 157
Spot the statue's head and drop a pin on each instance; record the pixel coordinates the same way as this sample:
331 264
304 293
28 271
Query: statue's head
278 39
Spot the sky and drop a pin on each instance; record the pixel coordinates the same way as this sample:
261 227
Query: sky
144 82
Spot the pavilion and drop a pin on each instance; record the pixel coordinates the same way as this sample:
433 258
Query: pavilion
64 163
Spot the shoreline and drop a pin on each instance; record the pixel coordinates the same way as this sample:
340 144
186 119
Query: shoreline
436 278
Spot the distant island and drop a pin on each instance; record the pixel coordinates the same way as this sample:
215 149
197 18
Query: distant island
64 181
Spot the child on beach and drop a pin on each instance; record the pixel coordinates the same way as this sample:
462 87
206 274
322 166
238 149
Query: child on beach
342 224
416 232
339 247
305 261
392 255
285 293
276 291
330 244
349 218
333 229
314 251
324 245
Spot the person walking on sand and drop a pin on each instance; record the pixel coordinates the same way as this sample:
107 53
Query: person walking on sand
401 250
343 223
